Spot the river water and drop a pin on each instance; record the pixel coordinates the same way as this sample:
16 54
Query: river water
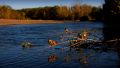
12 55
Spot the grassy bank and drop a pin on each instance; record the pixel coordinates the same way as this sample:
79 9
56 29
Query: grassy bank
15 22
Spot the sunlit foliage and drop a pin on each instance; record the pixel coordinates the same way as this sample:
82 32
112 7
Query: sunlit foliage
6 12
75 12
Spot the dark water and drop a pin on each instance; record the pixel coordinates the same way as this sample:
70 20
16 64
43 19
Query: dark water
12 55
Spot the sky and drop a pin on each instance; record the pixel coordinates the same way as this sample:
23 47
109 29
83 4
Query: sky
20 4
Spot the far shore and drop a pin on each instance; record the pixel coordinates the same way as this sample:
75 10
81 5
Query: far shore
16 22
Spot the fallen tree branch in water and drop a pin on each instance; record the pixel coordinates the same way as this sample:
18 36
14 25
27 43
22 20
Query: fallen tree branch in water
101 45
113 40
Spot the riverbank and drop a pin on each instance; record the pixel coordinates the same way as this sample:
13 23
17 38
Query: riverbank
16 22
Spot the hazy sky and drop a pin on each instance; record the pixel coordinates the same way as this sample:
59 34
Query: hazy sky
19 4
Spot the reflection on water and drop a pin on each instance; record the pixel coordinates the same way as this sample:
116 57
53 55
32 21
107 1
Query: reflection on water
40 55
52 58
86 57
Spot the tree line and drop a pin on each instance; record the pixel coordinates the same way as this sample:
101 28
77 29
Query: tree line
76 12
6 12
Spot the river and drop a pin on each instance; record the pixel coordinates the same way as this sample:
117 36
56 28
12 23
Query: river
12 55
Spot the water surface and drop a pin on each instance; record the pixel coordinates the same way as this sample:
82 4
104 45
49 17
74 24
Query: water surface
12 55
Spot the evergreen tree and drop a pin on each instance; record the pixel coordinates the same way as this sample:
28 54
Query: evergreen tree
111 10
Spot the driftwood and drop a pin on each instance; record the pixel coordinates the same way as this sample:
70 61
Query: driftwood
100 45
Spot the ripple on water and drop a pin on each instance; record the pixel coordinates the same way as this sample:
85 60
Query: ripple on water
12 55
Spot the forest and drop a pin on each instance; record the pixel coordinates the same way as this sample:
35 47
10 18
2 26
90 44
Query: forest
75 12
